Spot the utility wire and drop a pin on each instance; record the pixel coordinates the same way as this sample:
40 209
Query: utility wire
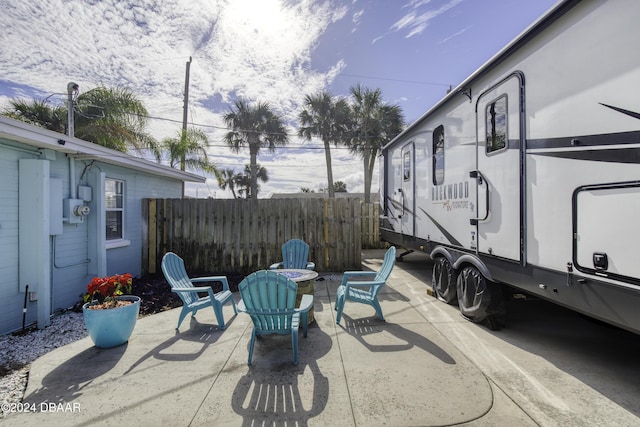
220 127
395 80
290 147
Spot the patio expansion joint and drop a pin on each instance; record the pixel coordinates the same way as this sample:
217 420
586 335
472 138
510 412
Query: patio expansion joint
213 383
344 370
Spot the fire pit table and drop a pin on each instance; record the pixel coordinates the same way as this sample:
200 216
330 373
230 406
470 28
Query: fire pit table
304 279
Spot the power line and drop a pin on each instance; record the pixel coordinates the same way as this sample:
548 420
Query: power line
290 147
178 121
395 80
225 128
280 166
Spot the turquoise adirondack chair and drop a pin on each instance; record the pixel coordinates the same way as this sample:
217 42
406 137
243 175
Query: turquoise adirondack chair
181 284
270 299
365 291
295 254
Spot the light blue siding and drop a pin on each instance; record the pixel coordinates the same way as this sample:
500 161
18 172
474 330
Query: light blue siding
69 251
12 300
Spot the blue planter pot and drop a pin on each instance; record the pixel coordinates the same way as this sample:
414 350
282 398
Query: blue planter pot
112 327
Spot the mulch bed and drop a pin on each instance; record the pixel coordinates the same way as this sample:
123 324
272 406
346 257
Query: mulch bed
156 293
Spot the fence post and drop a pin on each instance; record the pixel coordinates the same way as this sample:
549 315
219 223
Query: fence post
326 231
153 230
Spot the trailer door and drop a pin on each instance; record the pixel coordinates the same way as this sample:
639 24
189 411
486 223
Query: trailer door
498 170
407 192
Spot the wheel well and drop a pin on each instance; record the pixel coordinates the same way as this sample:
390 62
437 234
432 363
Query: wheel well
441 252
472 261
459 260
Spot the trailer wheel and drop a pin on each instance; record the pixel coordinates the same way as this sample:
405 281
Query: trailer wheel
443 280
479 299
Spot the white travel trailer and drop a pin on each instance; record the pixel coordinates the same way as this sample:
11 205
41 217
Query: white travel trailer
528 173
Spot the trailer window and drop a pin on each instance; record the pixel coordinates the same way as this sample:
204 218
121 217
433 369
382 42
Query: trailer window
438 155
497 125
406 165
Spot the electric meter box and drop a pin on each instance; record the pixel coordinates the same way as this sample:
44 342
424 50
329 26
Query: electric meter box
73 211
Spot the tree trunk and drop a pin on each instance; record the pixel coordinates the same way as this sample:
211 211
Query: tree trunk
253 152
327 155
367 177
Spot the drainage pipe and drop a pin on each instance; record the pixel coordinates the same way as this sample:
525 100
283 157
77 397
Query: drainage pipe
24 307
72 178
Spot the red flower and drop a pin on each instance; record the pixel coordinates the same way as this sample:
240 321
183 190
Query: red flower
108 288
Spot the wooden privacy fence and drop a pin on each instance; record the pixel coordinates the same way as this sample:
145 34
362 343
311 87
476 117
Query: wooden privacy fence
214 235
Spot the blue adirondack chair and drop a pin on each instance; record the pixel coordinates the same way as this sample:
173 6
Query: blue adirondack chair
270 299
181 284
365 291
295 254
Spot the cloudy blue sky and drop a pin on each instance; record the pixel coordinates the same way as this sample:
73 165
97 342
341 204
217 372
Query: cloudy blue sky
267 50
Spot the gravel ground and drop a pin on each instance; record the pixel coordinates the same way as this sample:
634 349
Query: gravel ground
18 351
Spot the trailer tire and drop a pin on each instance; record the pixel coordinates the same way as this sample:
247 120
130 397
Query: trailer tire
443 280
479 299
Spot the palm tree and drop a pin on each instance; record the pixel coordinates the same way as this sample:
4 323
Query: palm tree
327 119
244 180
374 124
340 187
188 150
256 127
114 118
37 112
229 179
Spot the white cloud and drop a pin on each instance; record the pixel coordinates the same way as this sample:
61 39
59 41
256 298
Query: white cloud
355 18
456 34
416 20
258 49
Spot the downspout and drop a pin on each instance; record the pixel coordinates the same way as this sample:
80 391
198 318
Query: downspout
72 178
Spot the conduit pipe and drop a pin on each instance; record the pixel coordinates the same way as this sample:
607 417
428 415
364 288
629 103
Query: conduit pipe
72 178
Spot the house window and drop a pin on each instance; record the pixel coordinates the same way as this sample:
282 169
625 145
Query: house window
114 206
438 155
496 117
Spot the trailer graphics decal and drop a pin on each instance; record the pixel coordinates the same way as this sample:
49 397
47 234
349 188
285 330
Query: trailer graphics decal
622 110
620 147
452 196
443 230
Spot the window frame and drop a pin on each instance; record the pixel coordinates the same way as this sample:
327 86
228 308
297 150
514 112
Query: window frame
438 147
489 147
113 241
406 166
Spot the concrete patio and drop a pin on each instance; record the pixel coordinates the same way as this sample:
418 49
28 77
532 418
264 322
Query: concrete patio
363 372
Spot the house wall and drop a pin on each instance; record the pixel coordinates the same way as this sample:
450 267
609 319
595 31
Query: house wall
68 250
72 260
127 259
12 300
